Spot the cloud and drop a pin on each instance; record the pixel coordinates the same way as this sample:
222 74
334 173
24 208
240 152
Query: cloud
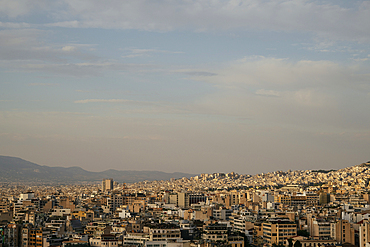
140 51
327 19
195 73
23 9
132 55
14 9
277 73
87 69
26 50
134 52
267 92
29 45
102 101
307 94
82 91
14 25
69 48
20 37
360 59
42 84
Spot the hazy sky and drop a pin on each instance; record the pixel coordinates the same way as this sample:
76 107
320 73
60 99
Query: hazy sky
193 85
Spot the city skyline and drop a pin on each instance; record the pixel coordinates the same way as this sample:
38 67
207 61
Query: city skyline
186 86
310 208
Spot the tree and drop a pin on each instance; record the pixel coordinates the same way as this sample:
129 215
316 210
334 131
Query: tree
290 242
277 245
303 233
297 244
77 245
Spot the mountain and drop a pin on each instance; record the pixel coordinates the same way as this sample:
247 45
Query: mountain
14 169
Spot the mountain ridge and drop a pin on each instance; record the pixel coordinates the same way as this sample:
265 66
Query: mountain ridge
14 169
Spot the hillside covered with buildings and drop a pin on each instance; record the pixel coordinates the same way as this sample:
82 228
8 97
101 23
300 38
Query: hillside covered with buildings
292 208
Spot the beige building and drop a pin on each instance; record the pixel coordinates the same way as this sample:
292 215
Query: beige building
185 200
32 237
215 233
311 242
343 232
105 240
319 229
283 199
276 232
136 239
236 241
312 199
162 232
364 233
107 184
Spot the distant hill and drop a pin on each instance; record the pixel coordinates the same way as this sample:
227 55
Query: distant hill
14 169
323 171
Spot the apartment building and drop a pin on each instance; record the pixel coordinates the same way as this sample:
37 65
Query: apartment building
276 232
312 199
312 242
114 201
321 230
12 235
32 237
107 184
296 199
105 240
162 232
364 233
235 241
185 200
136 239
238 223
343 232
215 232
222 213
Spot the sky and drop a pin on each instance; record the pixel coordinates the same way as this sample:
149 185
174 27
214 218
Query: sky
196 86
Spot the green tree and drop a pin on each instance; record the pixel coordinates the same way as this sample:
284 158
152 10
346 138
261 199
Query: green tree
303 233
297 244
290 242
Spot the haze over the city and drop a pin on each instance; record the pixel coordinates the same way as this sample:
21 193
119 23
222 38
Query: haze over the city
186 86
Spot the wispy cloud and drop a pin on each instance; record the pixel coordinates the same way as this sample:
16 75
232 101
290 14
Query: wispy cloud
18 9
195 72
140 51
29 45
69 48
84 101
134 52
267 92
325 20
132 55
14 25
304 93
42 84
86 69
82 91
